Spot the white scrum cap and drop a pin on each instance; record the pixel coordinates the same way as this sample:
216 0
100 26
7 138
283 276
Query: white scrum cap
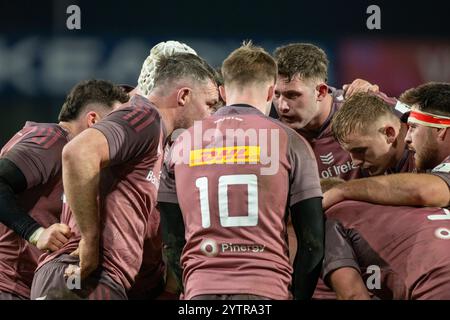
162 49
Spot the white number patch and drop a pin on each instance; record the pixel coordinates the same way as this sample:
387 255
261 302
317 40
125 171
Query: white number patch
250 220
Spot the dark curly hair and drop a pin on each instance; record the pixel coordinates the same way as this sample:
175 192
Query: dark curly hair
91 91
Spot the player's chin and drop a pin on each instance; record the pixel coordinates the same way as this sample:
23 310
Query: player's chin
293 123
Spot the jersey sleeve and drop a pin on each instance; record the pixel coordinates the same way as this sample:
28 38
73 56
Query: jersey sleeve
443 171
304 174
131 131
339 252
38 155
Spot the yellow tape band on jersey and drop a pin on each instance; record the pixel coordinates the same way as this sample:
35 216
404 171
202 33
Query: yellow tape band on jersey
225 155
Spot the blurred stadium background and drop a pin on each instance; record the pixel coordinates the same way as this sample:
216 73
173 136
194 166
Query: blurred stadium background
40 59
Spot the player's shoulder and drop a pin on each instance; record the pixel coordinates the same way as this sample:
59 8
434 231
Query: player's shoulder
45 135
137 106
443 167
138 113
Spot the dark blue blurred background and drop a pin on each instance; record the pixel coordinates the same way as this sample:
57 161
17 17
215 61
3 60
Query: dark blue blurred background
40 59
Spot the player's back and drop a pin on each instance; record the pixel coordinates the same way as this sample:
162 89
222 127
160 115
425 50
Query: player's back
36 151
408 244
234 187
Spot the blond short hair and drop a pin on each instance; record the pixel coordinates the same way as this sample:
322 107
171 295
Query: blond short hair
249 64
357 114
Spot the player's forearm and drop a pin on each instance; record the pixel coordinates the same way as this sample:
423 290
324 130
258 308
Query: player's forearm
348 284
81 172
308 223
307 267
13 216
399 189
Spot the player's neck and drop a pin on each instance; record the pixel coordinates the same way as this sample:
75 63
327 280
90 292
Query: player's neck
250 99
168 119
69 127
167 113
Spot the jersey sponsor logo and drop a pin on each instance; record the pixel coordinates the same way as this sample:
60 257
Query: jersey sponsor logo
238 248
211 248
443 167
225 155
335 170
327 158
154 178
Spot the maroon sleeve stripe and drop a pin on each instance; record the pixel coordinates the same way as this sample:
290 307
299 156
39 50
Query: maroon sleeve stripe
54 137
146 122
138 117
129 115
46 135
50 136
38 136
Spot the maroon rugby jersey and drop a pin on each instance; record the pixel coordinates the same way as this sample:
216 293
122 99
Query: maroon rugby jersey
234 179
128 193
443 170
408 245
332 160
36 151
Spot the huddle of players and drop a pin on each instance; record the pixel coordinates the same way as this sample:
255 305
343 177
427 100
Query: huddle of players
83 199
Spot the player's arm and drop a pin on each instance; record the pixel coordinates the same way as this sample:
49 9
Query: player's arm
172 227
13 182
348 284
359 85
308 222
83 158
396 189
340 269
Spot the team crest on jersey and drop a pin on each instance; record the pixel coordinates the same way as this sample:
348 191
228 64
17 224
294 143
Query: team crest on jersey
443 167
225 155
327 158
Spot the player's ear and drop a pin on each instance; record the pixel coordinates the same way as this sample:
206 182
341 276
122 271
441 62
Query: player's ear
223 94
322 91
183 96
92 118
270 93
390 133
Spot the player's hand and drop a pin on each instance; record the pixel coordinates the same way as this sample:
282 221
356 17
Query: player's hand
331 197
88 252
359 85
54 237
